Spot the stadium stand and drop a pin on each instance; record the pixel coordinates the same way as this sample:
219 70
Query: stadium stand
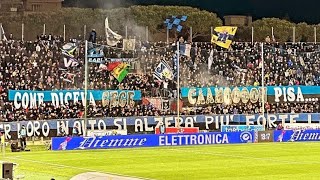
35 66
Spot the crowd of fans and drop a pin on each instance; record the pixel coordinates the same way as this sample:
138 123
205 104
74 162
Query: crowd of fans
37 65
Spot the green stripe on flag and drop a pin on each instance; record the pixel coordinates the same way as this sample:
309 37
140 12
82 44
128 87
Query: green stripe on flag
122 75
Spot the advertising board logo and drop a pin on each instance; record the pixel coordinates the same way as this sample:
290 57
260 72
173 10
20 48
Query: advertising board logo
64 144
246 137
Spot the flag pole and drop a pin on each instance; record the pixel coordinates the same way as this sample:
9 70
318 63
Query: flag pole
3 145
262 83
85 88
252 34
0 31
167 35
178 86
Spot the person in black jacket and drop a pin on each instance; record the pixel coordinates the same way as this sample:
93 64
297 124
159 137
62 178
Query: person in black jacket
93 36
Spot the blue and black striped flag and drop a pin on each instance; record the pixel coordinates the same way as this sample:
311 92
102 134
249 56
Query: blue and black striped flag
175 22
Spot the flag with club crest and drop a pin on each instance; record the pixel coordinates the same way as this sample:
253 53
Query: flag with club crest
69 49
223 36
163 71
129 44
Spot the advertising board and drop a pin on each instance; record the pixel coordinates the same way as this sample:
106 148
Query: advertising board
265 136
301 126
296 135
106 132
240 128
151 140
175 130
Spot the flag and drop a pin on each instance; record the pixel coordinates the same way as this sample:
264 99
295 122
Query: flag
102 67
113 65
118 70
174 105
95 52
68 77
175 22
129 44
69 49
69 62
223 36
185 49
163 71
112 37
155 102
96 55
145 101
165 105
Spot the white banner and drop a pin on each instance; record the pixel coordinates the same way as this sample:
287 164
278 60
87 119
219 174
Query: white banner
93 133
301 126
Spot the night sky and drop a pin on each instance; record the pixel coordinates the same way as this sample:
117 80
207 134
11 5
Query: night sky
295 10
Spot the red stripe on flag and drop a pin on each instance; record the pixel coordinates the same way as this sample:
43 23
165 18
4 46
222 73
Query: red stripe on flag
113 65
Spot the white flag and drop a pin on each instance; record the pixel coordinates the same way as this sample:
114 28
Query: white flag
112 37
2 34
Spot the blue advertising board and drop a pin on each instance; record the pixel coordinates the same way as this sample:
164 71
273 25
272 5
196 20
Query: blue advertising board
296 135
240 128
151 140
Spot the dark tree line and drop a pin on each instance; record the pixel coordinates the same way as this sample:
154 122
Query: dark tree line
296 11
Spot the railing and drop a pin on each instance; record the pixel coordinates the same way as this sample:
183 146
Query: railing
244 34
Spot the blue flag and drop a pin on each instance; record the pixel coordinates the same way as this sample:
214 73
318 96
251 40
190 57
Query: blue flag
175 22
